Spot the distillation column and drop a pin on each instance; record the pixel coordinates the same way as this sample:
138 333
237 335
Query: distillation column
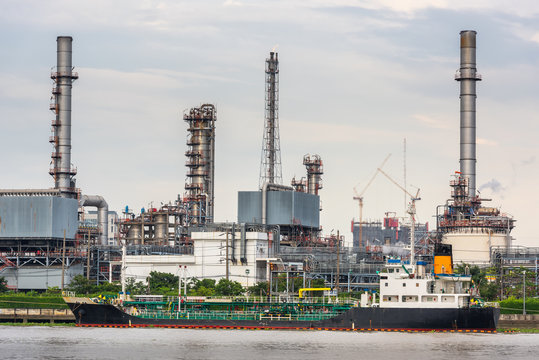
467 76
270 167
315 169
63 77
200 163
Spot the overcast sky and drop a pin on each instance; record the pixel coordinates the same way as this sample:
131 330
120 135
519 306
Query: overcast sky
356 78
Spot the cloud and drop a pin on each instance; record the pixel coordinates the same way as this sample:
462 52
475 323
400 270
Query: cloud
529 161
321 133
233 3
495 186
483 141
525 8
431 122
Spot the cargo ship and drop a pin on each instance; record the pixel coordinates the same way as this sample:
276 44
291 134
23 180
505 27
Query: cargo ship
410 299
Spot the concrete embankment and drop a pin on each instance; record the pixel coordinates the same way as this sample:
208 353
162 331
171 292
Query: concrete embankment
36 315
519 321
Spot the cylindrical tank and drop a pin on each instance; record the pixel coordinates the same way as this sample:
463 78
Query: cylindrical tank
161 228
488 211
133 235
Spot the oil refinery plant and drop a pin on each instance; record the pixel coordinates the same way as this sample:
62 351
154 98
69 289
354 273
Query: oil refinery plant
48 236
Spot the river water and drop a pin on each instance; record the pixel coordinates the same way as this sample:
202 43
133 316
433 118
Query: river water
42 342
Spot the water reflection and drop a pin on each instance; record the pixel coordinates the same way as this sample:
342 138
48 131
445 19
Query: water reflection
100 343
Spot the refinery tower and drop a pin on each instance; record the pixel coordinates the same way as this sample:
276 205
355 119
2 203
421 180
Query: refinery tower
472 229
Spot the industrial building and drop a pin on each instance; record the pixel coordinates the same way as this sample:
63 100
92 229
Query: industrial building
389 233
39 246
276 215
47 236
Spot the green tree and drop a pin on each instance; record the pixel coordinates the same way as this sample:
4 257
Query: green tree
160 282
80 285
3 284
134 287
55 290
107 287
205 287
258 289
228 288
488 290
318 283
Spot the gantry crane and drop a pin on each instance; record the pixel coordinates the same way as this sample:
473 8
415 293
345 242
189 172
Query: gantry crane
359 198
411 211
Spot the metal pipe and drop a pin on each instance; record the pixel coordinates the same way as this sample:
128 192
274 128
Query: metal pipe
102 214
233 246
467 76
243 245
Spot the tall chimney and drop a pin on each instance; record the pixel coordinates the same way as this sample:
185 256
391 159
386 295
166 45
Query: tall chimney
61 127
467 76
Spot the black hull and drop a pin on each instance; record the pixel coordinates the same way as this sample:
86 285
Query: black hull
480 319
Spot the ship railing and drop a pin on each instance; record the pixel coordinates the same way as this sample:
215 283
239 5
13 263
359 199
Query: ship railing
280 299
278 317
242 315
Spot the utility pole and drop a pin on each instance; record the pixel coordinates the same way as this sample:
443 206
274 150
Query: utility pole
63 259
185 283
338 262
124 253
404 169
88 258
180 289
524 291
226 254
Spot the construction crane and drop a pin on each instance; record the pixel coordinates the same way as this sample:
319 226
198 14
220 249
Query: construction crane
411 211
359 198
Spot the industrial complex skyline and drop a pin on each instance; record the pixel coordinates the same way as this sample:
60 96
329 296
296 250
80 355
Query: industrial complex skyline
356 78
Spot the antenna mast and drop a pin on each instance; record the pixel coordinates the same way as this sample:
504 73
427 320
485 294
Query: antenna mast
404 168
270 165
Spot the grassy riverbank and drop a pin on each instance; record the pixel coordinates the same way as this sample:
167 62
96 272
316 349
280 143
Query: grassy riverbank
518 330
514 306
23 301
20 324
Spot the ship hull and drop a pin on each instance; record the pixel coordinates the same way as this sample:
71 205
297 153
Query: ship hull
480 319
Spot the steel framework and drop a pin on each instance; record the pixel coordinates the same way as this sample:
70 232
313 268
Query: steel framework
270 166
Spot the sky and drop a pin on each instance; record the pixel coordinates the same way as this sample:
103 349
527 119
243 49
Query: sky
356 79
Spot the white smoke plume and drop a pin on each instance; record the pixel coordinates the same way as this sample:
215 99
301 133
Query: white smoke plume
494 186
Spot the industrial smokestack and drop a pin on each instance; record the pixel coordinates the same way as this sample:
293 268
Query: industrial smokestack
61 127
467 76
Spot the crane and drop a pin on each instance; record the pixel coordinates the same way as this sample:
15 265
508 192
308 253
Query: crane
411 211
359 198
